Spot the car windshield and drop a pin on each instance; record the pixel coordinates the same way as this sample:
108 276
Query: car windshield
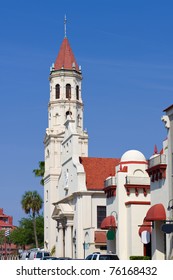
89 257
39 254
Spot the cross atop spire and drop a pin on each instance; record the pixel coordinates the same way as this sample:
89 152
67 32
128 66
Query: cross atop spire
65 26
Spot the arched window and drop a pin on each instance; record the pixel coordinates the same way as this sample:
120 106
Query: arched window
77 92
57 91
68 113
68 91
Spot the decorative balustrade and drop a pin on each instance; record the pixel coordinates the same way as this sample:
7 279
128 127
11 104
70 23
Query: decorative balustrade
110 186
156 160
137 184
131 180
157 167
110 181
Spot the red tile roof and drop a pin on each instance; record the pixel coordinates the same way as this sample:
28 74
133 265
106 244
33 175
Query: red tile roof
65 58
3 216
5 224
97 170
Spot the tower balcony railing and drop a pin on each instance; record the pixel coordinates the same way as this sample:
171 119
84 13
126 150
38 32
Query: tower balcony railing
131 180
110 181
160 159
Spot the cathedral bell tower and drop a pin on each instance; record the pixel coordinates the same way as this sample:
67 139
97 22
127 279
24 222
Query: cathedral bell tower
65 102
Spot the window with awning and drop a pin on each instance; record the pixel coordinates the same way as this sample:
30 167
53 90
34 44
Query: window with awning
108 222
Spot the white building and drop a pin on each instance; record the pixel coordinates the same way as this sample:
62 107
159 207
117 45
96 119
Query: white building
128 198
81 204
74 200
65 101
100 204
161 212
153 211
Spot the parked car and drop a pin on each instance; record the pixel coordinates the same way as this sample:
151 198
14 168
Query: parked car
49 258
38 255
64 258
24 255
98 256
55 258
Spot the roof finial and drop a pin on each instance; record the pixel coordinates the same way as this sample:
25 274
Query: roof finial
155 150
65 21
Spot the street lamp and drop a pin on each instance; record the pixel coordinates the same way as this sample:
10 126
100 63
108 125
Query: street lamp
84 247
74 244
111 234
116 216
170 205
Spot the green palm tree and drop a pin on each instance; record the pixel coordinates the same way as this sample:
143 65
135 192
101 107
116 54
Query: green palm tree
40 172
32 204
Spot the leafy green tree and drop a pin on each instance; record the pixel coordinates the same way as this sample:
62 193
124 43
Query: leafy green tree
19 237
40 171
32 204
24 234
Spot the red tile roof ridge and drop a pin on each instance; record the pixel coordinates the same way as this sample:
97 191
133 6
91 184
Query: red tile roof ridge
101 158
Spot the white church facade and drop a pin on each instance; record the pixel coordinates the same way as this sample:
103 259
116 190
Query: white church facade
74 200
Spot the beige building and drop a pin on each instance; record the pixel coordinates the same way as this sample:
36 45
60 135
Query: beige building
128 198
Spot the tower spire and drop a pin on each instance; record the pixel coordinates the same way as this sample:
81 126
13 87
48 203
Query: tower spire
65 26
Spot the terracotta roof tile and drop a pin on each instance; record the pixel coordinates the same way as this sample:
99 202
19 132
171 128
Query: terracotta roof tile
97 170
65 58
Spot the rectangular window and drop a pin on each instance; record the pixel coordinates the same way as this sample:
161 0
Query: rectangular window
101 214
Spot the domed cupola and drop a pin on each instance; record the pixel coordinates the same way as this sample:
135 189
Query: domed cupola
134 163
132 156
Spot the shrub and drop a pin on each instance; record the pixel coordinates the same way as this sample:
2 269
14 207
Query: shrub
53 251
140 258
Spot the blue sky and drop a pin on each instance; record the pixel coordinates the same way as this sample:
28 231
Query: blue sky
125 49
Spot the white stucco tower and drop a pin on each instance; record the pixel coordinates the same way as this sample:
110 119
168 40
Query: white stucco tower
65 103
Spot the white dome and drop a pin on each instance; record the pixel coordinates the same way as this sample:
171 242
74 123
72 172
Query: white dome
133 155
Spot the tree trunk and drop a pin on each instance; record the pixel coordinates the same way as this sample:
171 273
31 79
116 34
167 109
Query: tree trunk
35 232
